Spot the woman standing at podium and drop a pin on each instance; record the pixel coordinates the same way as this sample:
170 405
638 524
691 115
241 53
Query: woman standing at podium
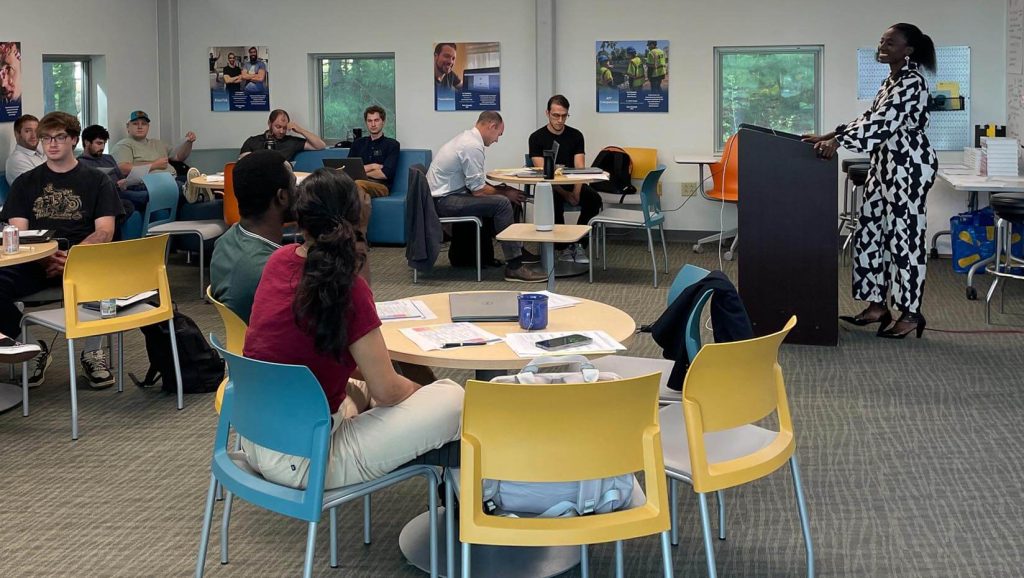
889 243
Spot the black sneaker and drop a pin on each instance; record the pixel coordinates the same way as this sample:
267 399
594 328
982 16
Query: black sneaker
528 257
42 362
12 351
526 273
97 370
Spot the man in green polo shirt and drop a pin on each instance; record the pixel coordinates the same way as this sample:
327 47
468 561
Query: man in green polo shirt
138 149
264 184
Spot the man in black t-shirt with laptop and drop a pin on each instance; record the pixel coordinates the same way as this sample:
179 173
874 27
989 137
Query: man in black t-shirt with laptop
77 203
571 155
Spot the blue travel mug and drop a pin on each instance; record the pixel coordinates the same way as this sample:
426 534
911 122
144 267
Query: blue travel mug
533 311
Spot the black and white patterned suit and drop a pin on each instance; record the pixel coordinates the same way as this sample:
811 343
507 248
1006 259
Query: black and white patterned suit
889 244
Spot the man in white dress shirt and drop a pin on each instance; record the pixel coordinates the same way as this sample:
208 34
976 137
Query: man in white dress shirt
26 155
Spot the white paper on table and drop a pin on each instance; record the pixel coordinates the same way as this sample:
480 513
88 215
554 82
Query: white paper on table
556 301
586 177
403 310
135 177
524 344
217 178
433 337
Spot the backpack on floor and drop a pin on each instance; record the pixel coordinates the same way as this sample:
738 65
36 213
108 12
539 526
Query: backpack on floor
616 162
202 369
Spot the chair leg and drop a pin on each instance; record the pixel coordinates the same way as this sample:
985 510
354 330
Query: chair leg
218 491
620 567
654 261
805 524
414 280
366 519
224 523
449 523
24 373
584 561
705 525
307 570
720 499
333 515
673 488
666 554
604 247
177 364
204 536
120 362
74 388
478 264
664 247
202 255
465 560
432 518
593 253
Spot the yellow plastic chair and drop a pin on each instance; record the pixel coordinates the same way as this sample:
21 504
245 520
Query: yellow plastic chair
644 161
234 329
602 429
713 443
104 271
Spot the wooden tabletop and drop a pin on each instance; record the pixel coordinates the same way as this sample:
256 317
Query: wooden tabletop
586 316
505 176
27 253
527 232
204 180
696 159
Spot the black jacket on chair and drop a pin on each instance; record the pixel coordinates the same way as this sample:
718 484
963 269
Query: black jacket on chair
422 227
728 317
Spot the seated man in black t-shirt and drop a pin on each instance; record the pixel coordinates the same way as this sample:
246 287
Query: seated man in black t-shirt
570 154
277 138
78 203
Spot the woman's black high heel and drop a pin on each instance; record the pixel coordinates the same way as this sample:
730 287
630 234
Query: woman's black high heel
861 319
916 318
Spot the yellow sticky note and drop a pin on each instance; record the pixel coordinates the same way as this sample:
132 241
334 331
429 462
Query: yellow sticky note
953 88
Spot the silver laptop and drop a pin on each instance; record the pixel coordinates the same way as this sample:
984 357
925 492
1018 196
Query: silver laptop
484 306
353 167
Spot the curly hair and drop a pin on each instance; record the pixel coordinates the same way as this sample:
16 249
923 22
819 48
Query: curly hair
327 206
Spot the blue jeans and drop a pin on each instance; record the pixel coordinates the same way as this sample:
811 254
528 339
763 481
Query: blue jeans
497 207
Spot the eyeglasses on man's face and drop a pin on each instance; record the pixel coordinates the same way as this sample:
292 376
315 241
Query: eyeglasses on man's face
60 138
558 116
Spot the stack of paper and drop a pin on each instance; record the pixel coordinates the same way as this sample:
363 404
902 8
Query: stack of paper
403 310
999 156
525 344
449 336
972 160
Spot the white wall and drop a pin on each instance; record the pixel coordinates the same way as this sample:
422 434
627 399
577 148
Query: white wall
695 27
409 29
123 31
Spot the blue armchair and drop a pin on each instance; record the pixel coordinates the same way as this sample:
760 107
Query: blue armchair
387 219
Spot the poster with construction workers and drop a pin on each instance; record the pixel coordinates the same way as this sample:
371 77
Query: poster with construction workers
632 75
467 76
239 78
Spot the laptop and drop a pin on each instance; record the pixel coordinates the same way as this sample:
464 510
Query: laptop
353 167
484 306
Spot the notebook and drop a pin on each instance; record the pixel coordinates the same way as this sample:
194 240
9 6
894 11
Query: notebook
353 167
35 235
484 306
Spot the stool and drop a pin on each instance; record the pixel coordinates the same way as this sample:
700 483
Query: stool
846 164
1009 212
857 174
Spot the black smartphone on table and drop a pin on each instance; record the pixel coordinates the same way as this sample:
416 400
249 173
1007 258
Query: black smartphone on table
563 342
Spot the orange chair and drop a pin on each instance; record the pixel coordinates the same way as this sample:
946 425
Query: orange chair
724 173
231 215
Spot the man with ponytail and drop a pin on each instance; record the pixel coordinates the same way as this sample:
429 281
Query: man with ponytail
312 308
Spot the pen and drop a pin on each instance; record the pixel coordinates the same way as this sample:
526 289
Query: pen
463 344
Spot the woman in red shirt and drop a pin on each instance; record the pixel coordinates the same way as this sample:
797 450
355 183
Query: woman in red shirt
312 309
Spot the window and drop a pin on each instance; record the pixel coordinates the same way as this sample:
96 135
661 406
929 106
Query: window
777 87
349 84
66 86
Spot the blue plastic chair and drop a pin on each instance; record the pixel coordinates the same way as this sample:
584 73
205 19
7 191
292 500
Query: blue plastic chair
648 217
283 408
162 213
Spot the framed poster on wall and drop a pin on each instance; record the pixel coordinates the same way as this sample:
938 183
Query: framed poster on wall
467 76
239 78
632 75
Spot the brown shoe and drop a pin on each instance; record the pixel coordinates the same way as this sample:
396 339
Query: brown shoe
526 273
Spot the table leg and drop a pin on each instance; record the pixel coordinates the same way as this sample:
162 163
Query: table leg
547 259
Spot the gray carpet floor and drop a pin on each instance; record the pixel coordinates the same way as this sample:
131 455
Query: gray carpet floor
911 453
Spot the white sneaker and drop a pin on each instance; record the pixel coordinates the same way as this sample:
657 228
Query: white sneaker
97 370
580 254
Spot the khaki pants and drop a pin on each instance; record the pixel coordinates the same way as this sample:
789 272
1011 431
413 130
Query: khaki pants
374 188
368 443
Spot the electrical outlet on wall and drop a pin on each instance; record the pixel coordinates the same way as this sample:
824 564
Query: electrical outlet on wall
688 189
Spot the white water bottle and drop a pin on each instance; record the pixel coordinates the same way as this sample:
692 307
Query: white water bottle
543 207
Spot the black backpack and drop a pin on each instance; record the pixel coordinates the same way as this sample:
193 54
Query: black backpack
202 369
618 165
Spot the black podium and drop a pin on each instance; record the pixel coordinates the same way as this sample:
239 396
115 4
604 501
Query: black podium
788 262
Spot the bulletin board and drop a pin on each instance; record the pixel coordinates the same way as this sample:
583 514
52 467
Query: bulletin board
947 129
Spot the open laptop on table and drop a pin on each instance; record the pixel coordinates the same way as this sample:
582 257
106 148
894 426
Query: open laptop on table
353 167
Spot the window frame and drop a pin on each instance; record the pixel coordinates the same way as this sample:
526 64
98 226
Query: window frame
88 85
818 50
317 99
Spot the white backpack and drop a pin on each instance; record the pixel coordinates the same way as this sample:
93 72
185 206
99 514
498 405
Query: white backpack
558 499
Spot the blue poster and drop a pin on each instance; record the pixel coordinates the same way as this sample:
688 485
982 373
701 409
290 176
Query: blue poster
10 81
632 75
239 78
467 76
